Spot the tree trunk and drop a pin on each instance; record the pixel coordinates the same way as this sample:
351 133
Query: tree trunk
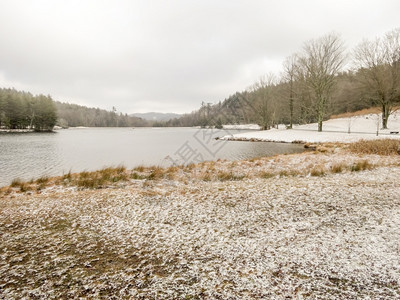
319 125
321 112
385 115
291 107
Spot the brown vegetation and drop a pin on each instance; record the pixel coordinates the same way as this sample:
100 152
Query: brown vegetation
329 158
380 147
362 112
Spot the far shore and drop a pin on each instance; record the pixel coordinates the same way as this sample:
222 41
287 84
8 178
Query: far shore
2 130
340 130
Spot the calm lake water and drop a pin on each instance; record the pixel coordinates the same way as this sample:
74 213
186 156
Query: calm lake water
33 155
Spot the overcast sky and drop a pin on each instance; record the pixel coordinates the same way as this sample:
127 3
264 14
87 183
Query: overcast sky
167 56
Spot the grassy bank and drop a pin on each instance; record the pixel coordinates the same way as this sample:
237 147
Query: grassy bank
326 158
322 224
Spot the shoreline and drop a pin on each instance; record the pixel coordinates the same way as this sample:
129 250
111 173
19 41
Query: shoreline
309 225
303 136
341 130
316 157
16 131
331 235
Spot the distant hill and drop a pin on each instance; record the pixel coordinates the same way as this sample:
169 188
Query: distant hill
74 115
156 116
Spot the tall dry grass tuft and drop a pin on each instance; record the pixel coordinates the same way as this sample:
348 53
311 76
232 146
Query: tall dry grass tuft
16 182
380 147
337 168
228 176
318 171
98 179
22 185
361 166
156 173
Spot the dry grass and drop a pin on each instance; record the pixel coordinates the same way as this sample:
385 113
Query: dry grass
23 186
363 112
266 174
288 173
228 176
16 182
380 147
156 173
338 168
140 168
363 155
361 166
95 179
331 237
318 171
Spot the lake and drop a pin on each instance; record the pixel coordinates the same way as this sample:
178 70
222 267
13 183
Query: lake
32 155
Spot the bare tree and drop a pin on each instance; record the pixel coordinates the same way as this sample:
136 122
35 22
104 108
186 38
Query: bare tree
378 63
290 69
264 102
322 60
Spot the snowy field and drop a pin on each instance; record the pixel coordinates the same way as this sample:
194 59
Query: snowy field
276 231
335 130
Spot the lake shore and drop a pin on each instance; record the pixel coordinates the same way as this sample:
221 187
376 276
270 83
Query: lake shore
3 131
342 130
321 224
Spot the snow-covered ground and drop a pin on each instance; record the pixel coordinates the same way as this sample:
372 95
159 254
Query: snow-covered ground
292 237
334 130
242 127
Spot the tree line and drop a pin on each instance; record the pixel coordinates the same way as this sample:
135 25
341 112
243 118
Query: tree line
73 115
314 86
22 110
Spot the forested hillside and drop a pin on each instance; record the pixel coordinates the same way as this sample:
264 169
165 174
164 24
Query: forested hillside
76 115
22 110
320 80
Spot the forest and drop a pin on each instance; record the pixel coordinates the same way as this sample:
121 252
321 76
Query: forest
22 110
319 81
73 115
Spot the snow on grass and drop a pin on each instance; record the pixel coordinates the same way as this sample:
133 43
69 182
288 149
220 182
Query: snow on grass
322 224
330 237
335 130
